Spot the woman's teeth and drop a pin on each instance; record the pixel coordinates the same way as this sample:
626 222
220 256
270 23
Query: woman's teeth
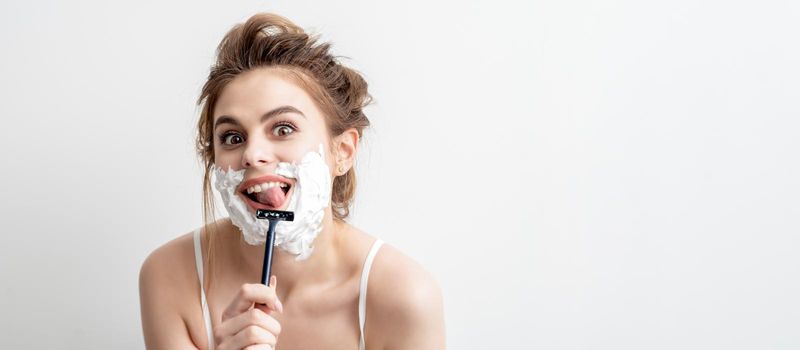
265 186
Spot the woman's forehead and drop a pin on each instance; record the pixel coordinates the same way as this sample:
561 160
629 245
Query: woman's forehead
252 93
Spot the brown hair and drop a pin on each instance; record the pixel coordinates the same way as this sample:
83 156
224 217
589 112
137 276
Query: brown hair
270 40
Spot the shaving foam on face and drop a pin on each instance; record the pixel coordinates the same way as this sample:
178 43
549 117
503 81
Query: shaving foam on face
311 194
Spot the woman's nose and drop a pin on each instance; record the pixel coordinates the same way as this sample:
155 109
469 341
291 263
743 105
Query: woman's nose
256 154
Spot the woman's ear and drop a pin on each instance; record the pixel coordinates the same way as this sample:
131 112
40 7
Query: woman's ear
345 147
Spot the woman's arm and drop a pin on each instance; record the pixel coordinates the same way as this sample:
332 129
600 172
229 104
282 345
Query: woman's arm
162 324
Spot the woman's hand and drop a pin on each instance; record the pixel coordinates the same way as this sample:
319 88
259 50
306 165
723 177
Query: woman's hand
246 323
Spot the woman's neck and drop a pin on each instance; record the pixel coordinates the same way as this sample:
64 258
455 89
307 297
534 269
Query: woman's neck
323 264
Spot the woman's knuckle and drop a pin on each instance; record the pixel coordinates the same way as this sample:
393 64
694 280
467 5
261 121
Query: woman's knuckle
252 334
244 289
255 315
271 338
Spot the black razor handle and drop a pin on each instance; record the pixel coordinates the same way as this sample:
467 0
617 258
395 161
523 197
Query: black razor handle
267 270
273 216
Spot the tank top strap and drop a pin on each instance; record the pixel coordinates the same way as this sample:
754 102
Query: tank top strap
198 260
362 293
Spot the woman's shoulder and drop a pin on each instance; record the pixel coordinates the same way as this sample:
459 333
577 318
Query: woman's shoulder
400 281
392 271
178 254
403 298
174 260
170 266
167 276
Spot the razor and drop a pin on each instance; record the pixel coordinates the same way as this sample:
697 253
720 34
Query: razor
274 216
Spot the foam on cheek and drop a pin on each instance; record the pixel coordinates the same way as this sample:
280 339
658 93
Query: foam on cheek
311 194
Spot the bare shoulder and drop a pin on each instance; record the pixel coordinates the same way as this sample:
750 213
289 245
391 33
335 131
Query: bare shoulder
169 264
396 275
166 277
404 303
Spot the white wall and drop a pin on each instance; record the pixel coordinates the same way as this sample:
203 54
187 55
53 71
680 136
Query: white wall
577 174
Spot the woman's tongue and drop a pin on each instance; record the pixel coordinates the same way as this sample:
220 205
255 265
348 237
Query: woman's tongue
273 197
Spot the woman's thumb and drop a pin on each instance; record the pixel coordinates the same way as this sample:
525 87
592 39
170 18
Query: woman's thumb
273 282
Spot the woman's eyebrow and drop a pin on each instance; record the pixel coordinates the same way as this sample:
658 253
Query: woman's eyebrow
275 112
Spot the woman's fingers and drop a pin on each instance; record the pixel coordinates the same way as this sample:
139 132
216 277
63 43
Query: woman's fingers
246 320
253 317
259 347
250 335
250 294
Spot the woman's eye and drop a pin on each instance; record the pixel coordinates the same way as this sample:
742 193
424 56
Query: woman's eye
282 130
231 137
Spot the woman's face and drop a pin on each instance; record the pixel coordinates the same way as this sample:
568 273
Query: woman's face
262 118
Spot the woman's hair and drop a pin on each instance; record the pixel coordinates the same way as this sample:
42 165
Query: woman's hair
270 40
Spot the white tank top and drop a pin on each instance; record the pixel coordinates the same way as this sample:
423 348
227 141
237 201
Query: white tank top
362 292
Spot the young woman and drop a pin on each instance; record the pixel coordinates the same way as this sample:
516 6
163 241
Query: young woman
280 129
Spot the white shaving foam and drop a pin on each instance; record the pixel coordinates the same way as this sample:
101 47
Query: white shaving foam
311 195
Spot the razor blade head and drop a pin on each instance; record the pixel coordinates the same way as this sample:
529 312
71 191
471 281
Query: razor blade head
279 215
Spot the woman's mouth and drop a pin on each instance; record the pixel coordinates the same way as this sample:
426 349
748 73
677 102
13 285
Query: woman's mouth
266 193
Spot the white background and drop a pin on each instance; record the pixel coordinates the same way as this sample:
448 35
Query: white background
576 174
